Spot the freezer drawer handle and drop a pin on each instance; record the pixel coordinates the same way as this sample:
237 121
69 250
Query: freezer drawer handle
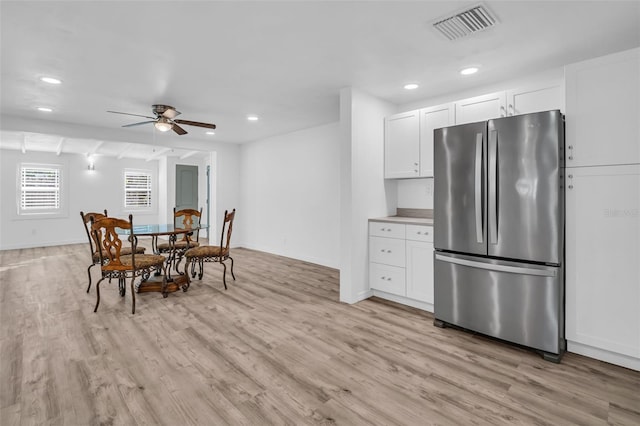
498 268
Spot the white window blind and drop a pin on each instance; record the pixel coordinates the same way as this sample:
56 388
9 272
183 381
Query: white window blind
39 188
137 189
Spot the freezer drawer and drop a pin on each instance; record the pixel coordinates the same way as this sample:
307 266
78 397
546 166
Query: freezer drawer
520 303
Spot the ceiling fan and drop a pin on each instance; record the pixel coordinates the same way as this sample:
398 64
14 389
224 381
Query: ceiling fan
165 119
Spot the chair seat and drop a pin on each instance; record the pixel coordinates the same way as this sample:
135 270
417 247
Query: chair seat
179 245
206 251
124 251
144 260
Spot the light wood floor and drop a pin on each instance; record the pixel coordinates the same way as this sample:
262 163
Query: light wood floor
276 348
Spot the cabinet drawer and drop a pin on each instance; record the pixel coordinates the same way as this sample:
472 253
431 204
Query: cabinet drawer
385 229
420 233
390 279
389 251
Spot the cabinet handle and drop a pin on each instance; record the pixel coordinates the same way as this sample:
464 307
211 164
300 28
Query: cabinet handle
570 186
503 112
513 111
388 251
570 148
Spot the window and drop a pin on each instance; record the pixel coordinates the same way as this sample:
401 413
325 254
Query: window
40 187
137 189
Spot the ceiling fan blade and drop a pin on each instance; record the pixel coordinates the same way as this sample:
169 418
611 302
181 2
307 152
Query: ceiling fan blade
126 113
196 123
179 130
137 124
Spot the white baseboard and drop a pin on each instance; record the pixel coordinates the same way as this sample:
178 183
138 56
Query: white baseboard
310 259
404 300
34 244
604 355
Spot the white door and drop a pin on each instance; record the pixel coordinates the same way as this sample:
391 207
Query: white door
402 145
430 119
603 110
420 271
603 258
481 108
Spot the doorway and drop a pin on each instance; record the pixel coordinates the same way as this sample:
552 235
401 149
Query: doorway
186 187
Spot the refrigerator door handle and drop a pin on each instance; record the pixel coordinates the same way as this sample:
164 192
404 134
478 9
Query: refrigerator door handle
499 268
478 189
493 187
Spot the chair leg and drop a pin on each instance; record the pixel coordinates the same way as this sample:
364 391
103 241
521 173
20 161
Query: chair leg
133 295
232 274
89 273
201 268
224 274
98 294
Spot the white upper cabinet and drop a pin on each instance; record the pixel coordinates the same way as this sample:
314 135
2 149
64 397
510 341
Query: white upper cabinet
481 108
402 145
430 119
526 100
603 111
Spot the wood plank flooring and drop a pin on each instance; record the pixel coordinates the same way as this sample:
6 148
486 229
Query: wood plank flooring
276 348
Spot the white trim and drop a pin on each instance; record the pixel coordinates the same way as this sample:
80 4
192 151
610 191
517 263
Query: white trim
604 355
404 300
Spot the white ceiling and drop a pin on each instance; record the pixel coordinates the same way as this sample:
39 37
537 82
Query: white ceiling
284 61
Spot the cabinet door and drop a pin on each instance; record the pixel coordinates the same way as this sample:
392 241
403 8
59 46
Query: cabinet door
420 271
603 258
481 108
431 119
603 110
526 100
402 145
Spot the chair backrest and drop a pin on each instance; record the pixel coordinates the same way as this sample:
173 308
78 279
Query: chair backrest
86 219
104 231
186 218
227 228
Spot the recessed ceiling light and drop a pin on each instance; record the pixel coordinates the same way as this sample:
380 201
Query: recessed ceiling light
469 70
252 117
411 86
50 80
210 132
44 109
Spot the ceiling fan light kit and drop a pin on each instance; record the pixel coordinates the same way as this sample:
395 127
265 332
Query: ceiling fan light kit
163 124
165 119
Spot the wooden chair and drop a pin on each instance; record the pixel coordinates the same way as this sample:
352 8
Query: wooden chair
115 264
184 218
199 255
93 244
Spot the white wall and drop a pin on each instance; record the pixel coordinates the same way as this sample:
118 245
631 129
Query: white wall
83 190
415 193
291 195
365 193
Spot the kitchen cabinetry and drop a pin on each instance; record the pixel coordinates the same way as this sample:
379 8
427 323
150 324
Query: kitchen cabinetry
538 98
481 108
402 145
401 263
430 119
603 110
603 263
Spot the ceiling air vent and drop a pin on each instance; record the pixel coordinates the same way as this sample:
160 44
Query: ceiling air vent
462 24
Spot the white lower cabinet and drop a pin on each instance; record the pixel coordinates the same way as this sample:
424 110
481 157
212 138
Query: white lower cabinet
401 263
420 271
603 263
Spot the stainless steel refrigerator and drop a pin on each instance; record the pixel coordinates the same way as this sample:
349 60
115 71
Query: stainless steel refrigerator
499 229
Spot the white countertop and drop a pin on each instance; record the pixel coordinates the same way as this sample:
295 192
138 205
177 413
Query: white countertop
404 220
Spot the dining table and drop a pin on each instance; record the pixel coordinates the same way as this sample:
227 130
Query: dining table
168 283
